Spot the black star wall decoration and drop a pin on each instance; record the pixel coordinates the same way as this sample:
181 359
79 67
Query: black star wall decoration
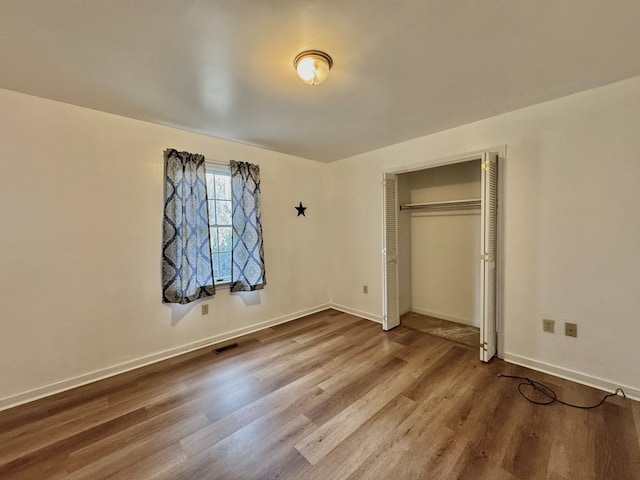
301 210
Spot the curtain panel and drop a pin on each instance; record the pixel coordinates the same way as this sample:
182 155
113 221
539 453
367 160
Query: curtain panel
247 257
187 270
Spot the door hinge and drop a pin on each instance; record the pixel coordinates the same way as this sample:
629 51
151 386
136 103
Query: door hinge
483 346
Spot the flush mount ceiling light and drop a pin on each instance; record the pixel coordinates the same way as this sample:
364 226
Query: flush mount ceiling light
313 66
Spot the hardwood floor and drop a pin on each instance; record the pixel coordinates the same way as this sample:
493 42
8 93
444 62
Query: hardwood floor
329 396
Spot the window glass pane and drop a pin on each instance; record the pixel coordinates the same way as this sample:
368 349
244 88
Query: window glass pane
225 265
210 185
216 267
213 231
223 212
224 239
223 187
212 212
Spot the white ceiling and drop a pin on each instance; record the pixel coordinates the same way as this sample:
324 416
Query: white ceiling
402 68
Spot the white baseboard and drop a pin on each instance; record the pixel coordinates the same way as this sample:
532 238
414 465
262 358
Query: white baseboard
444 316
357 313
578 377
61 386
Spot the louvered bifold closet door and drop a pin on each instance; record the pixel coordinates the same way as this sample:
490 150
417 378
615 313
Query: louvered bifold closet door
488 255
390 309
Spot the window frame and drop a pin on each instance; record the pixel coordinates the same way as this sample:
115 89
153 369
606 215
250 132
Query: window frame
222 169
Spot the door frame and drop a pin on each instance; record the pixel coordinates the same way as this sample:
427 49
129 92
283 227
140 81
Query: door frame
501 151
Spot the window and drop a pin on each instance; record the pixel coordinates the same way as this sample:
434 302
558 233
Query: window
199 208
220 227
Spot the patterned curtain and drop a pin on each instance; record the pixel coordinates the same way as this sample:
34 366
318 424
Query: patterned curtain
247 257
187 270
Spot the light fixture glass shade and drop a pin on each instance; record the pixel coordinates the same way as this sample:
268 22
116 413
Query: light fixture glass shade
313 66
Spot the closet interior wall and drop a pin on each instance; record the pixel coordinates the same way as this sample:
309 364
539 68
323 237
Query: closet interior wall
439 251
404 245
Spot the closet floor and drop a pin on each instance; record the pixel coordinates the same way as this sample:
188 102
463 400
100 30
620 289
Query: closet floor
437 327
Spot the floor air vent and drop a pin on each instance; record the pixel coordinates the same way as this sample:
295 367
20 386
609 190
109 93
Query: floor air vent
219 350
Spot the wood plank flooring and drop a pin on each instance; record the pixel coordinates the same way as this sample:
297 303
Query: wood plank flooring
329 396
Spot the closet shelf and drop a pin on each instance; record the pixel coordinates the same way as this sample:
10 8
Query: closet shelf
448 205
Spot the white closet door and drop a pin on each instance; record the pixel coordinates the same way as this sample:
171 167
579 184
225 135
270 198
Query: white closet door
390 309
489 235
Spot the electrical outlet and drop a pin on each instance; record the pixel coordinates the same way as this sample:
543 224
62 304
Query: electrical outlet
570 329
365 289
205 309
548 325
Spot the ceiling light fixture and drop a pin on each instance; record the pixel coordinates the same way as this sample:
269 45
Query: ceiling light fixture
313 66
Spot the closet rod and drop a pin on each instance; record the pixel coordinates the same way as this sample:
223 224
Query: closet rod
451 204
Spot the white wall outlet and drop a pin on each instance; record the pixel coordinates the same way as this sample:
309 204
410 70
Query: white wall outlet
548 325
365 288
205 309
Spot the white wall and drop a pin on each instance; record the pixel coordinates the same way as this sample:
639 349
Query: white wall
80 219
572 228
405 273
445 245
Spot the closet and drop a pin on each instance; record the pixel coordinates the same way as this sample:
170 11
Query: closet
440 247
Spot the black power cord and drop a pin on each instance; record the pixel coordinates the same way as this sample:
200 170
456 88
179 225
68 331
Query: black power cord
551 395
